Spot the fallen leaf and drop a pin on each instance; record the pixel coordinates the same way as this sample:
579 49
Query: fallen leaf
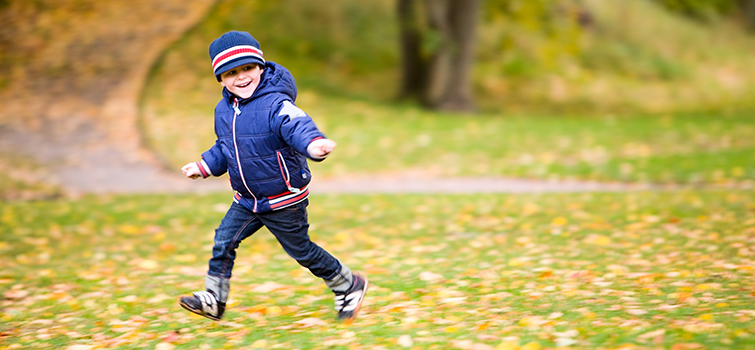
80 347
507 345
562 342
16 294
164 346
148 264
171 337
428 276
462 344
405 341
652 334
311 322
687 346
268 286
259 344
636 312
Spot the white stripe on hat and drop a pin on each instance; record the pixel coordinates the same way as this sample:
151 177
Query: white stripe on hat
234 53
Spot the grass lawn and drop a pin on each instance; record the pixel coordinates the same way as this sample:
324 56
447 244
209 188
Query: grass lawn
595 270
714 147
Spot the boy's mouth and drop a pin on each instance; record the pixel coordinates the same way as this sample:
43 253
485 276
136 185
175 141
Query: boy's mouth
244 84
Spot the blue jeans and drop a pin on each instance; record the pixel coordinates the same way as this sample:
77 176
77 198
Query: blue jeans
289 225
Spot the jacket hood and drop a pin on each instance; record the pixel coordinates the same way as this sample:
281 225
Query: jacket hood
275 79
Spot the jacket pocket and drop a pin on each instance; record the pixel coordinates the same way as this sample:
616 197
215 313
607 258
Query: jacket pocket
285 173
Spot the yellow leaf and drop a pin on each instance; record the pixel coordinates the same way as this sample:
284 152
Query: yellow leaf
708 286
185 257
522 240
259 344
559 221
77 347
148 264
129 298
274 310
507 345
451 329
531 321
529 208
597 239
165 346
531 346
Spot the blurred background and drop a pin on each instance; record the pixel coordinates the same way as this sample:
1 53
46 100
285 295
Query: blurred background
110 96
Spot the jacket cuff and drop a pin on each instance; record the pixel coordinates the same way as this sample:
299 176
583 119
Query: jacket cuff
204 169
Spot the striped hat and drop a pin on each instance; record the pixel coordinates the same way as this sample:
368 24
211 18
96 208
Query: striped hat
234 49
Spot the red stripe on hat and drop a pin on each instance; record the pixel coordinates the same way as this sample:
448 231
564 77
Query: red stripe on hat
235 52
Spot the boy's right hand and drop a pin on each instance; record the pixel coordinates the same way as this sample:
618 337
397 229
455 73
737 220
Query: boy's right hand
191 170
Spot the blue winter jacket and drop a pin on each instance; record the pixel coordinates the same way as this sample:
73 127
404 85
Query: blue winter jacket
262 142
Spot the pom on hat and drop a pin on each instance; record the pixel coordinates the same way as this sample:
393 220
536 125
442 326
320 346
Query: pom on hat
234 49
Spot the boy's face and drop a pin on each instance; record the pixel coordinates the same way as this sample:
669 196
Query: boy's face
242 80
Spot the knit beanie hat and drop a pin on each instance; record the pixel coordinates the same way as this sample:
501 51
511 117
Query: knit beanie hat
234 49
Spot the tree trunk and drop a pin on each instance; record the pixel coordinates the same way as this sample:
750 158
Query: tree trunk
462 20
439 60
437 56
749 9
413 74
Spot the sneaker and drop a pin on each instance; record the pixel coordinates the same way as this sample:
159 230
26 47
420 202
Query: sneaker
349 302
205 304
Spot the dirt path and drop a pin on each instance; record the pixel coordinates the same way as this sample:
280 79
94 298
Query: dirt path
74 73
147 180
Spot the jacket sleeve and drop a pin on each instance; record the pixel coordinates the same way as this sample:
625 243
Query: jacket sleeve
215 160
295 127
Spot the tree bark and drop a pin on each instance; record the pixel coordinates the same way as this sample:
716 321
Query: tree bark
437 56
412 66
462 20
749 9
439 60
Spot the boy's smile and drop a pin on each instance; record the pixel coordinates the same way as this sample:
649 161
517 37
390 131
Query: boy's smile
242 80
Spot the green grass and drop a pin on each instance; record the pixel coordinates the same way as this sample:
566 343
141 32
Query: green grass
713 147
591 270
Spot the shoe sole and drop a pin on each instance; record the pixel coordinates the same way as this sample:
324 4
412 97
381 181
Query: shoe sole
359 305
198 312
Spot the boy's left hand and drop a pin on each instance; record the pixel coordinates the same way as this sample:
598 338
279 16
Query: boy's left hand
320 148
191 170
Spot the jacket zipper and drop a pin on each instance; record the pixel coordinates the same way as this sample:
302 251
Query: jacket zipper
286 175
236 113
